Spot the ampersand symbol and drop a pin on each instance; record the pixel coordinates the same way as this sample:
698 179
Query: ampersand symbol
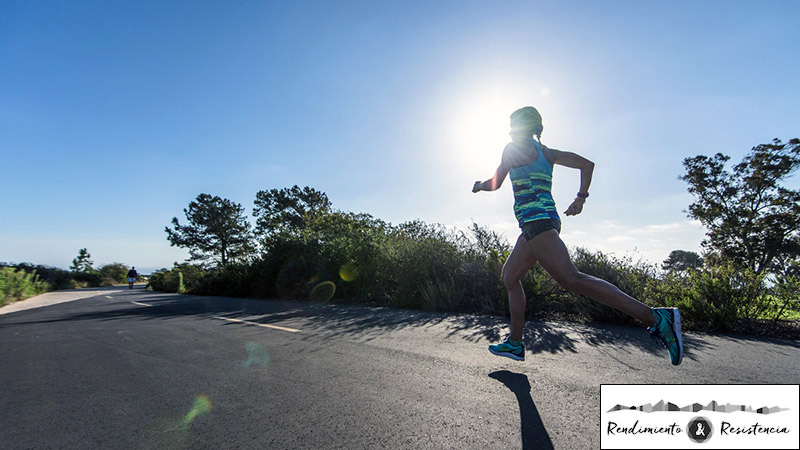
700 431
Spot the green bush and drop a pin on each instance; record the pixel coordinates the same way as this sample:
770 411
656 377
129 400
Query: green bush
17 285
56 278
233 280
630 277
190 276
714 298
86 279
173 281
482 255
786 297
440 295
181 289
114 273
180 279
155 282
421 255
353 251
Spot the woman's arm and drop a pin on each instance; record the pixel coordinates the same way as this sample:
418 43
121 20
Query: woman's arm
576 161
494 183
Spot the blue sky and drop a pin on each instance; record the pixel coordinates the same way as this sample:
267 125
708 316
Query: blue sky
115 115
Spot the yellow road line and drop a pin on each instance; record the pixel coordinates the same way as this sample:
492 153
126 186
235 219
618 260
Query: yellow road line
265 325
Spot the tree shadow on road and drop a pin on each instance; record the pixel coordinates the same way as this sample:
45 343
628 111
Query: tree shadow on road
329 320
369 322
534 434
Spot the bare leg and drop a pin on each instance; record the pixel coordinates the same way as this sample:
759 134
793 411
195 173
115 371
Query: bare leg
552 254
520 261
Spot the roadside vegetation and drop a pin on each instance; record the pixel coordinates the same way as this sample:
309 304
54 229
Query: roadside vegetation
747 280
17 285
300 247
347 258
25 280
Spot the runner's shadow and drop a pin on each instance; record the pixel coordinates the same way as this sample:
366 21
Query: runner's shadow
534 435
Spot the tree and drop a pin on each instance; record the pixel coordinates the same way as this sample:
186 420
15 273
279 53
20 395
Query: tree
286 209
680 260
82 263
751 219
217 230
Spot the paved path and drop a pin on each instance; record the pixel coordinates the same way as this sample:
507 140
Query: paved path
131 369
54 298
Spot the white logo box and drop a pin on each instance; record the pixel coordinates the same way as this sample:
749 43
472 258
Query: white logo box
741 416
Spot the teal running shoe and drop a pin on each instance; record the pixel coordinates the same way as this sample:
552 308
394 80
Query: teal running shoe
667 330
510 349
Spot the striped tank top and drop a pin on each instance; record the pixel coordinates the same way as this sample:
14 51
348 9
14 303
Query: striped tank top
532 184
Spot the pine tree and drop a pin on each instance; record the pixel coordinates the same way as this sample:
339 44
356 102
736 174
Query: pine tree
82 263
217 231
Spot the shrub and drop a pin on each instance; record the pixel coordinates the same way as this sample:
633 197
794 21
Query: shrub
56 278
715 298
354 251
180 279
483 254
440 295
421 254
173 281
155 282
787 295
17 285
190 276
630 277
114 273
86 279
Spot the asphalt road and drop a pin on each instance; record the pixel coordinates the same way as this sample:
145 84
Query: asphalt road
131 369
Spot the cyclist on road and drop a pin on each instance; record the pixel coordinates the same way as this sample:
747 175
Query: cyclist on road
132 277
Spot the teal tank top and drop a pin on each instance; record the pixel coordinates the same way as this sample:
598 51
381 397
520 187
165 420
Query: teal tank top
532 185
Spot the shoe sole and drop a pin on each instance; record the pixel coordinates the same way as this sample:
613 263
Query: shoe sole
677 331
508 355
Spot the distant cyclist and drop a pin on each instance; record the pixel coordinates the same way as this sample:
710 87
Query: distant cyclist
132 277
530 165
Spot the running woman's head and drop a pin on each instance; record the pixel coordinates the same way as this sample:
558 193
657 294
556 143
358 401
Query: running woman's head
526 122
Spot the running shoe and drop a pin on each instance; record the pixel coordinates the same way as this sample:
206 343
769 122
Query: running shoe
667 330
510 349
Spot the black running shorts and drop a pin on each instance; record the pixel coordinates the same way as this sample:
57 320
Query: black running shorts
534 228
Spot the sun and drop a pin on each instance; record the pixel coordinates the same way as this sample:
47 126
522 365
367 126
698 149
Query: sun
480 130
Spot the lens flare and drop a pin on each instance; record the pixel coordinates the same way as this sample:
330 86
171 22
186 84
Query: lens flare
256 355
348 272
323 292
202 405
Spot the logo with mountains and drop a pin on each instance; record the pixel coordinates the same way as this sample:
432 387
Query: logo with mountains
696 407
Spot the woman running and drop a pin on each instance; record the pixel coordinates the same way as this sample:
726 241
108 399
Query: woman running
530 165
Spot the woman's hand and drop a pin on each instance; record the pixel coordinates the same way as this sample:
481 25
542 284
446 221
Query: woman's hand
576 207
478 186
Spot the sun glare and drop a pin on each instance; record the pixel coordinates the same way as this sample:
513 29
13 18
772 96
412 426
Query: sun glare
478 114
480 131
